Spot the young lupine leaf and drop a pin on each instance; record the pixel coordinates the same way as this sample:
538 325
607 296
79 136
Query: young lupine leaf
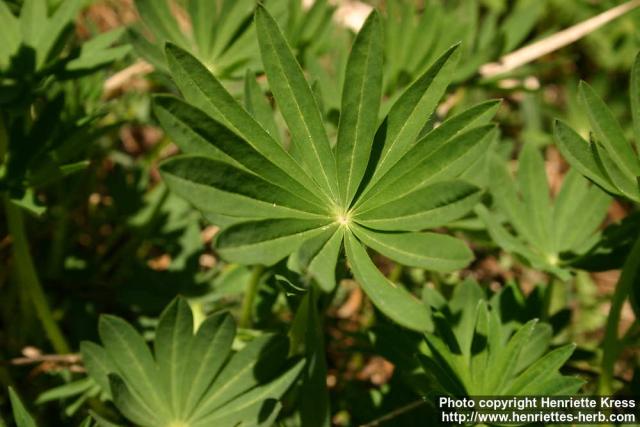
546 234
360 104
209 349
474 350
20 414
171 348
296 101
197 380
311 220
203 19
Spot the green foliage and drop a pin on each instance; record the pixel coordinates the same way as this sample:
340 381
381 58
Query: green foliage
547 235
36 47
191 379
608 159
415 38
219 34
474 352
304 202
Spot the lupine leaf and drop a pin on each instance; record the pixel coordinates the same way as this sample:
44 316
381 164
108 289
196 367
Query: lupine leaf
541 370
158 17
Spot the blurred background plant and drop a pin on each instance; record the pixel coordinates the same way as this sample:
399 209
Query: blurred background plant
89 227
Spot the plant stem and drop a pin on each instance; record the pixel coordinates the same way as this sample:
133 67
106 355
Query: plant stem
27 277
246 316
611 341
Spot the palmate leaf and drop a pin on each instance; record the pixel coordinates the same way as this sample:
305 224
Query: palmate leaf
309 204
191 380
474 352
547 234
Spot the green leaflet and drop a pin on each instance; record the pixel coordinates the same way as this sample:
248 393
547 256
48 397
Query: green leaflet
202 89
9 33
246 370
258 106
431 206
391 299
541 370
360 104
444 159
20 414
534 189
634 95
33 18
608 131
133 359
296 101
431 251
577 152
98 364
171 348
268 241
209 349
214 186
408 115
158 17
199 134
